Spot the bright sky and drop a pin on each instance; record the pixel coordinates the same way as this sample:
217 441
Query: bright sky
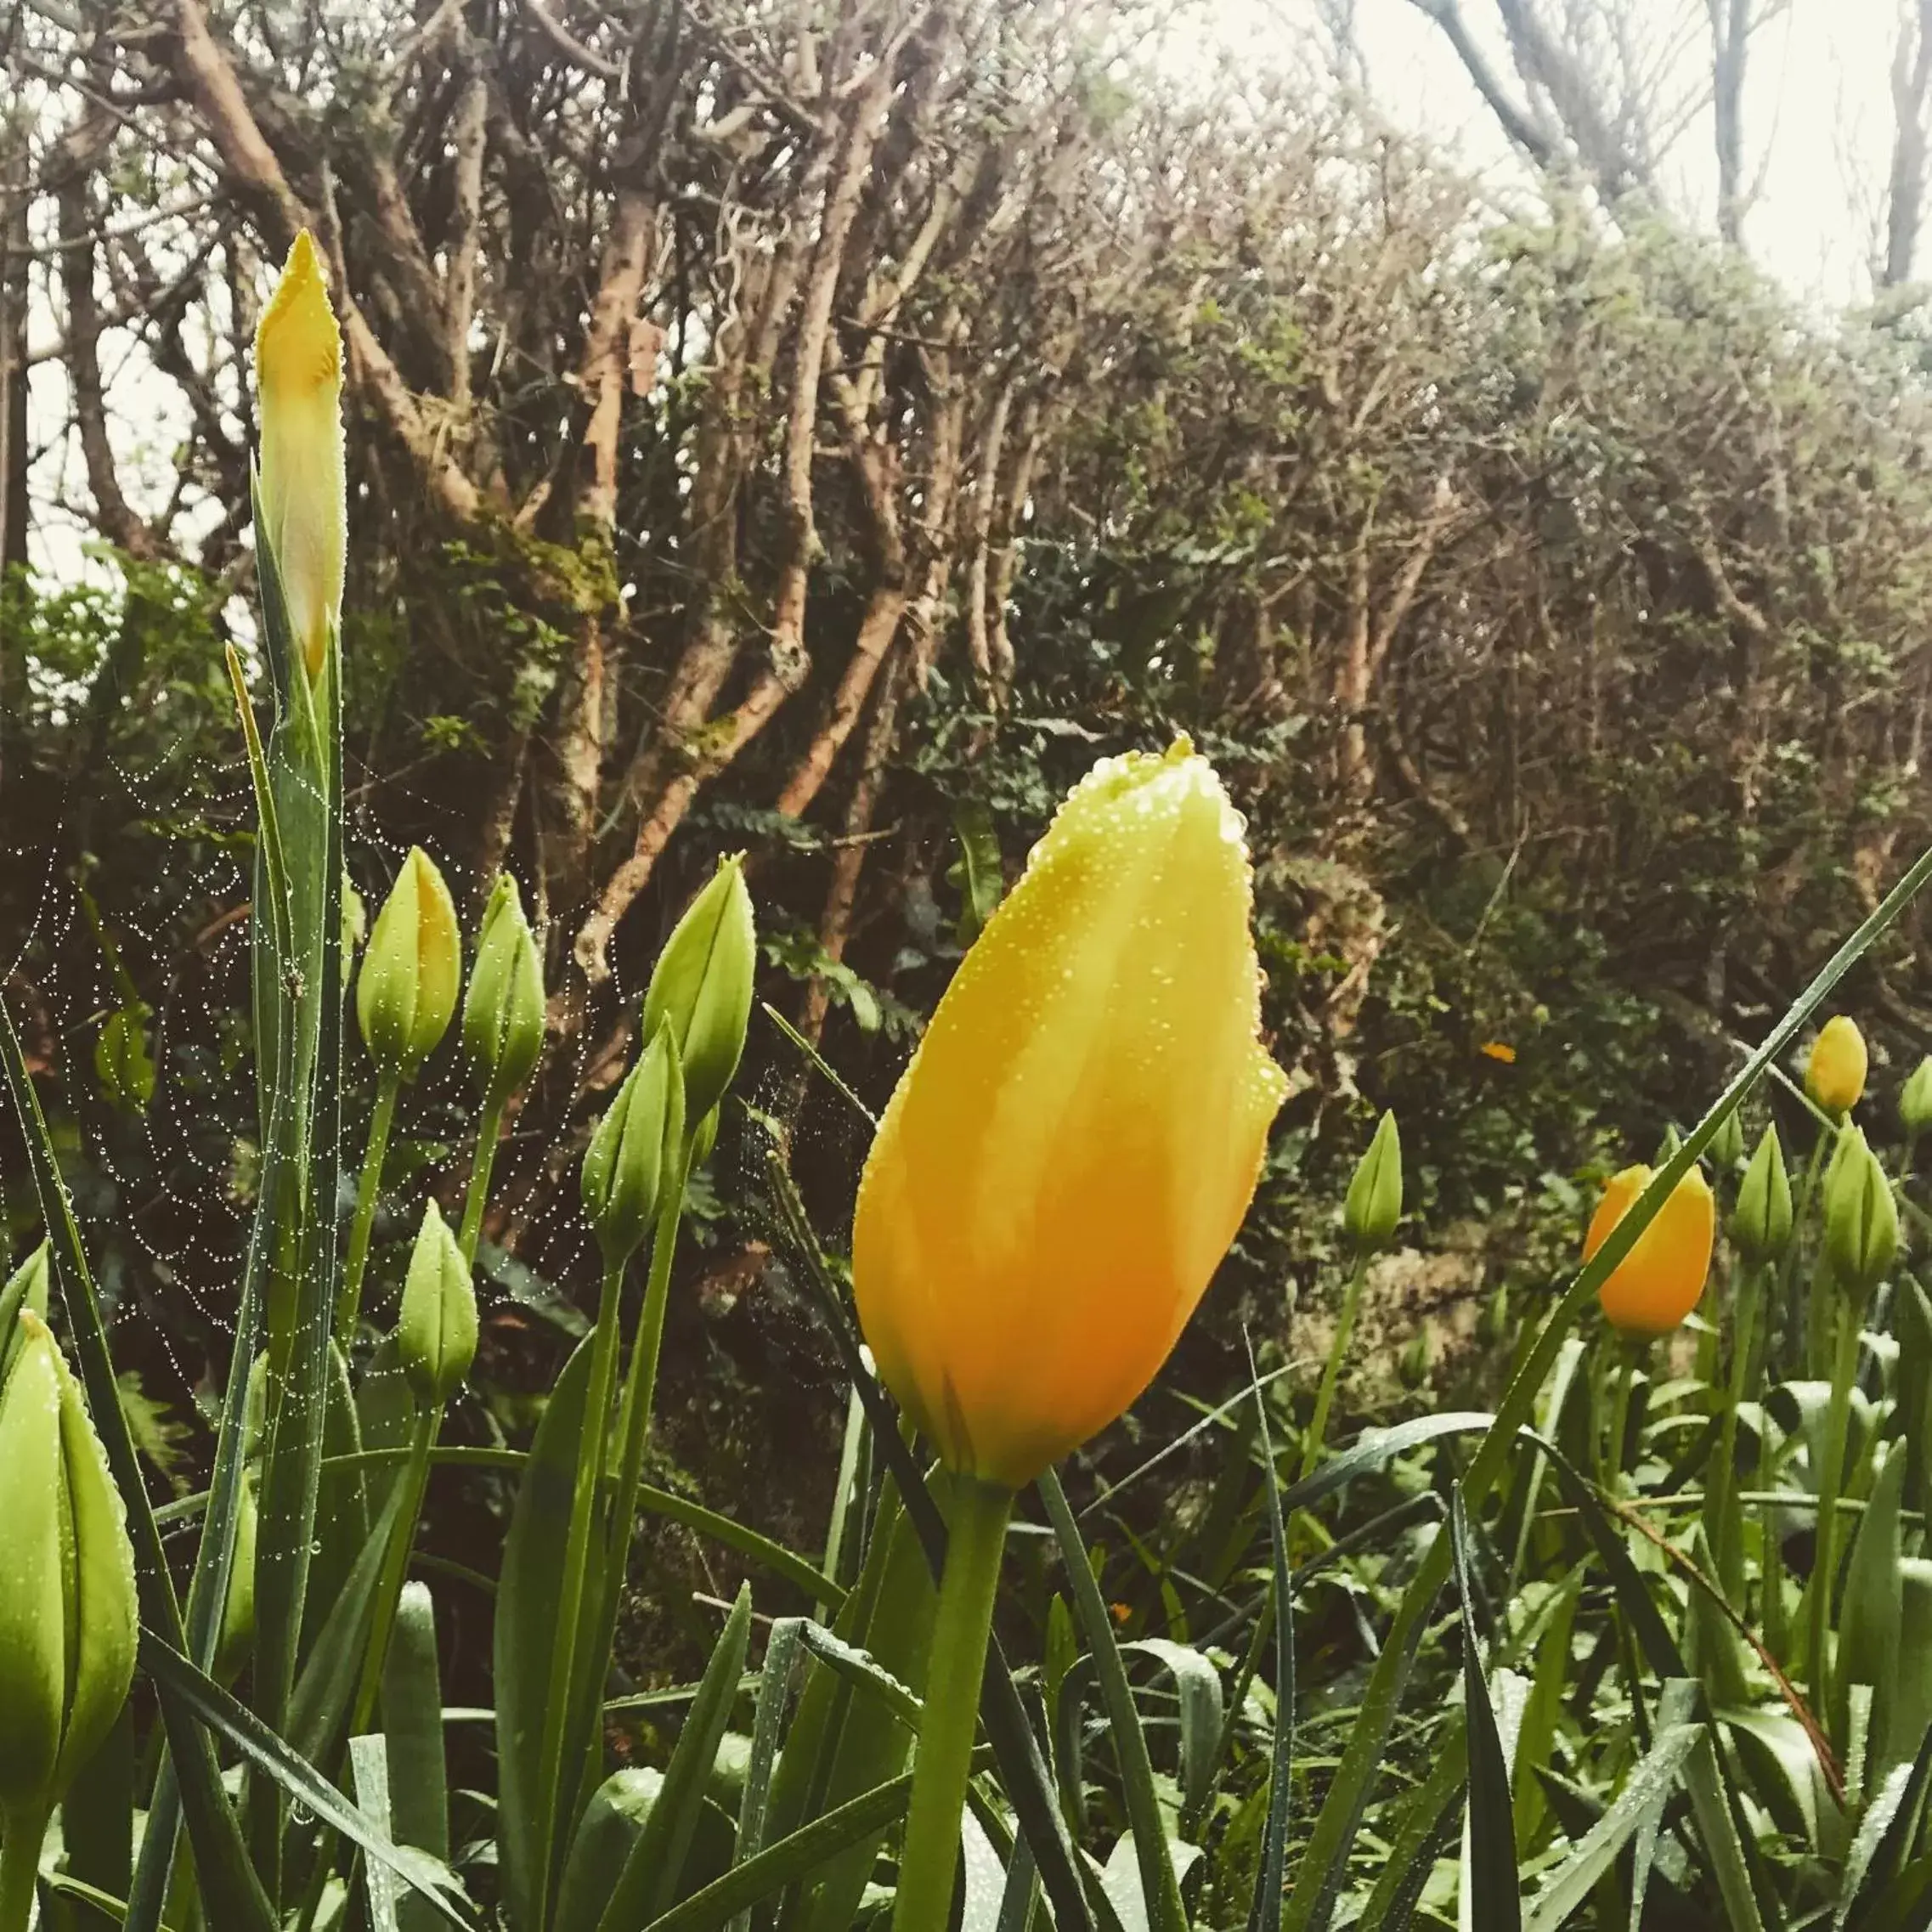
1817 113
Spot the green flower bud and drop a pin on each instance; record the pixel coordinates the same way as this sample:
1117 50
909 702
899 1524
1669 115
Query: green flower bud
1862 1219
635 1150
411 969
26 1288
1414 1363
67 1610
503 1011
1760 1222
704 1139
1727 1144
1373 1204
1667 1147
701 986
1915 1099
436 1334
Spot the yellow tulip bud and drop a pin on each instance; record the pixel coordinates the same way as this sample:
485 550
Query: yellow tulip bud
298 370
1077 1140
67 1612
435 1333
1657 1283
411 969
1834 1074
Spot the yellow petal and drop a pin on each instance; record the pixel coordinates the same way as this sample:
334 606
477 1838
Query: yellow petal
1073 1148
1659 1281
298 370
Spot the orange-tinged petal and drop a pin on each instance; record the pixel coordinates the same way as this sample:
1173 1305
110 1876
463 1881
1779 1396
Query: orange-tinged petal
298 369
1658 1282
1077 1140
1498 1050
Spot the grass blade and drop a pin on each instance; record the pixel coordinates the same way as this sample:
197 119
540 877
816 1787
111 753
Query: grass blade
1496 1898
1264 1913
1160 1888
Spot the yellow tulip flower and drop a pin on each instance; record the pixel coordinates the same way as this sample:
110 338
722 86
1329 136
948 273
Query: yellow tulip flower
298 368
1834 1074
1077 1140
1657 1283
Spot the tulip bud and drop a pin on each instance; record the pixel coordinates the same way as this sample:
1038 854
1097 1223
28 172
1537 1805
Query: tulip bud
704 1139
503 1011
1667 1146
635 1150
1862 1219
1657 1283
1373 1204
1076 1142
67 1610
1915 1099
1415 1360
1760 1222
1727 1144
26 1288
411 969
435 1333
1834 1074
701 986
302 494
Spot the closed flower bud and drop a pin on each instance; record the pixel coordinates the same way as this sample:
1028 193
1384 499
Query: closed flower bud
26 1288
1657 1283
67 1610
635 1150
1915 1099
435 1333
411 969
298 370
1373 1204
701 988
1415 1358
1834 1074
1076 1142
1760 1222
503 1011
1727 1144
704 1139
1862 1219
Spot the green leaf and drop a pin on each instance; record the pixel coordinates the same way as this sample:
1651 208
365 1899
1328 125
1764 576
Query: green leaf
1641 1801
647 1885
1870 1615
1264 1911
239 1727
768 1719
791 1858
412 1730
1496 1898
528 1607
978 873
1160 1884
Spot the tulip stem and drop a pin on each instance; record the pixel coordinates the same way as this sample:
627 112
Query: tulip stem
369 1189
487 1129
593 1443
975 1542
1817 1610
1722 1524
1627 1352
396 1561
1788 1302
1332 1369
21 1836
634 1431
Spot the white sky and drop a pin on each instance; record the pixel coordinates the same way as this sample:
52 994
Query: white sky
1817 116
